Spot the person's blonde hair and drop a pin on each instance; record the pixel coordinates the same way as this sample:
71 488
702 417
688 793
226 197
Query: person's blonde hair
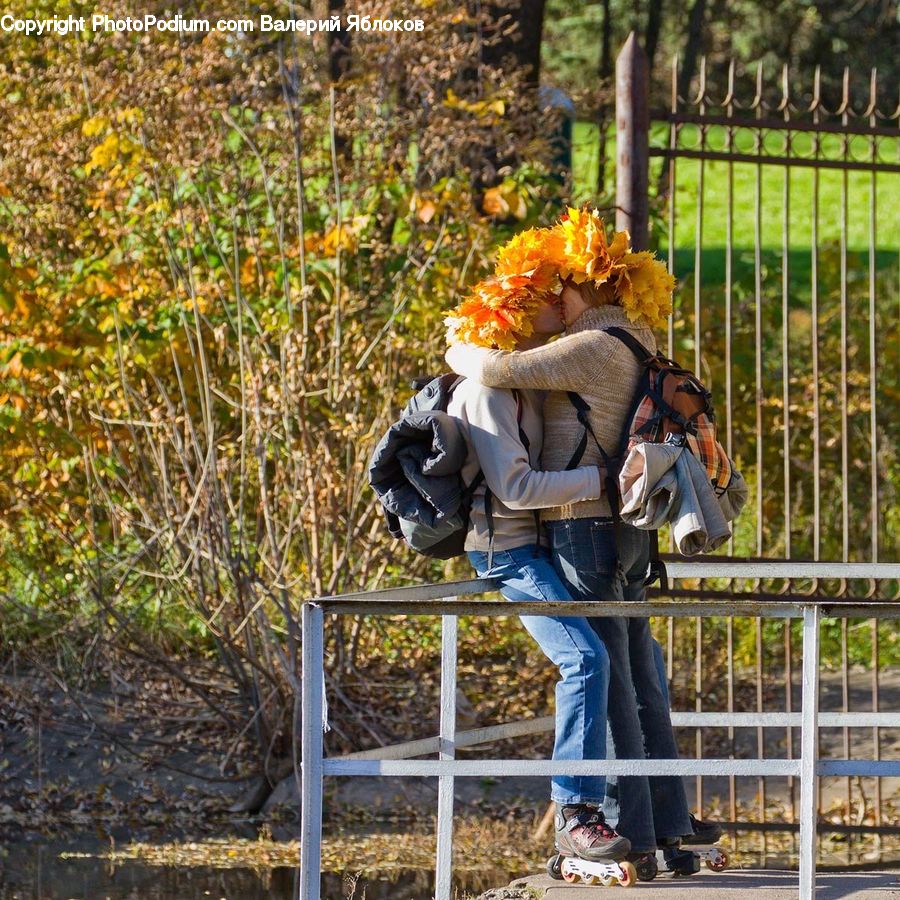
593 294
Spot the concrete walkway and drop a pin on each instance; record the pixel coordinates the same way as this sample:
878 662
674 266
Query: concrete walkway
768 884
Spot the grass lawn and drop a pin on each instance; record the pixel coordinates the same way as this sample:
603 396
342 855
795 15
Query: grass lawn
713 225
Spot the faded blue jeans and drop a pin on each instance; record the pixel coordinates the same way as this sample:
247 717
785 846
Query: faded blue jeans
574 646
598 562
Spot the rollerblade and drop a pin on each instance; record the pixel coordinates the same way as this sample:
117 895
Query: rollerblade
706 834
588 850
645 865
679 861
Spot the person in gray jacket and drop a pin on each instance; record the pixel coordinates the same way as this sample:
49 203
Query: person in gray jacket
504 432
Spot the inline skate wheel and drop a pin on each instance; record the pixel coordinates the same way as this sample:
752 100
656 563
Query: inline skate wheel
629 874
554 867
720 862
646 868
571 877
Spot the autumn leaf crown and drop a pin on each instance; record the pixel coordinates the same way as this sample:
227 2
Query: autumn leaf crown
531 267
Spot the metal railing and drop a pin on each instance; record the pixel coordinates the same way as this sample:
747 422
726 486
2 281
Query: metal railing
441 599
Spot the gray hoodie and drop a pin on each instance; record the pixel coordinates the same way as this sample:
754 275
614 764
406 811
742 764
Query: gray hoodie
665 482
510 471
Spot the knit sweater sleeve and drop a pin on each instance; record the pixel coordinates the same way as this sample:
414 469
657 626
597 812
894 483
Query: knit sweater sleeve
569 364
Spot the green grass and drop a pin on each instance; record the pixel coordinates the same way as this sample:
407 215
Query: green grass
713 225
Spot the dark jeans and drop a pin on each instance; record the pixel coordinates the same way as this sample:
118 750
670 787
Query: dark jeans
598 562
611 802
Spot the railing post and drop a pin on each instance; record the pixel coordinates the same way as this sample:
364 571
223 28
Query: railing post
444 867
809 746
313 663
632 141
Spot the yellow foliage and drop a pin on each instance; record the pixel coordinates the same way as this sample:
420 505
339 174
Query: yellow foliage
94 126
495 313
346 237
14 366
426 210
249 269
528 253
645 289
131 115
202 304
501 308
504 200
581 250
105 154
480 108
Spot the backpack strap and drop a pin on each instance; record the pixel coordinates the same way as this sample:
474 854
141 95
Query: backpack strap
472 486
610 482
631 342
489 515
519 408
527 445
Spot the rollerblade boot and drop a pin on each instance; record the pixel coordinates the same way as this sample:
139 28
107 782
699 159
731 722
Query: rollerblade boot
703 838
678 860
582 831
588 850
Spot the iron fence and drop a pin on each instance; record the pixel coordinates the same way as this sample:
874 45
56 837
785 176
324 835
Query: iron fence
778 215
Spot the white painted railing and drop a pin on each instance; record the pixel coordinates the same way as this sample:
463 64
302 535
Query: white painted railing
441 599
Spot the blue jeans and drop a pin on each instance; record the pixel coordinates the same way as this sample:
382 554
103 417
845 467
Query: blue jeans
598 562
527 573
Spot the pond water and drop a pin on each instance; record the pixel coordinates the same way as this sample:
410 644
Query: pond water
35 871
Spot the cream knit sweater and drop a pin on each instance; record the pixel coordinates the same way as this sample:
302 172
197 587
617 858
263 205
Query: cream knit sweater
593 364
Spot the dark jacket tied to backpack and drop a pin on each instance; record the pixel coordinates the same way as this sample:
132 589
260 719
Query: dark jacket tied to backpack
415 473
415 469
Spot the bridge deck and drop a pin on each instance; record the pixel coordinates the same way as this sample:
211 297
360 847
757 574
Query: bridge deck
769 884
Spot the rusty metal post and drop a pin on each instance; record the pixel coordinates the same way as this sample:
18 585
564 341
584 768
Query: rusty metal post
632 141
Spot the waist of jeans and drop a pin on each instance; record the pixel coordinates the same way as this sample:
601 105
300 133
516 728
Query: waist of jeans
587 522
584 509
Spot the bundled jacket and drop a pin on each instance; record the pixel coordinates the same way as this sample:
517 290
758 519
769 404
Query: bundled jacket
414 471
665 482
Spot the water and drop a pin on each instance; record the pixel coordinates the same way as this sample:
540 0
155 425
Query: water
33 870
